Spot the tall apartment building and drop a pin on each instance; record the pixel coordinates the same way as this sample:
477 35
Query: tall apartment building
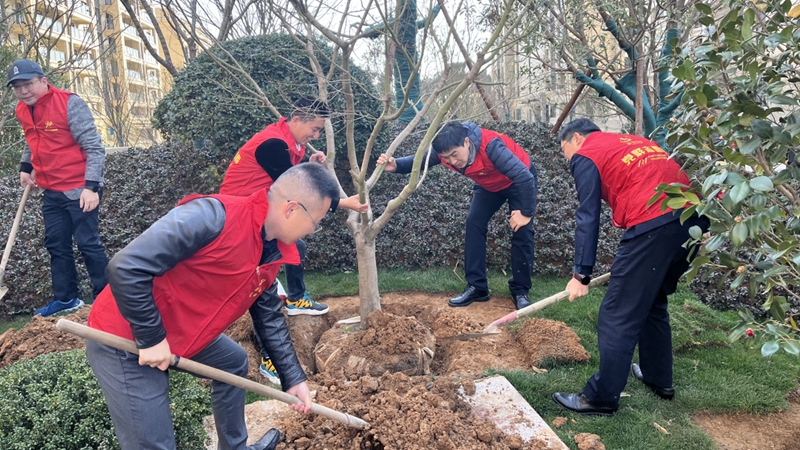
104 60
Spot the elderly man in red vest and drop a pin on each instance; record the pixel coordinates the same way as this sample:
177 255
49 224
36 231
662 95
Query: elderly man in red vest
64 156
502 172
624 170
176 288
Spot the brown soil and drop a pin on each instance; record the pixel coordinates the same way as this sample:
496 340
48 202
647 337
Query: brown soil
420 411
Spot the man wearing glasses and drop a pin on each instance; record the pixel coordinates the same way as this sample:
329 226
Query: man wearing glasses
63 155
259 162
177 287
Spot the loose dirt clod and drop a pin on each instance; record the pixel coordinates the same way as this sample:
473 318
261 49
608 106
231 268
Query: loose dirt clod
40 336
588 441
542 339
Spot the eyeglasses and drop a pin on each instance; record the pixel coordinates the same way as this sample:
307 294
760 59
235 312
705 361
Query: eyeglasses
24 86
317 226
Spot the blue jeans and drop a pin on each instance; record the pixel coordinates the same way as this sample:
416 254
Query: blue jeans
64 220
295 286
138 396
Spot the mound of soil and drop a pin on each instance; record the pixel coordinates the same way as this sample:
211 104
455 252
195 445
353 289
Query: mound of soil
410 413
390 343
544 339
40 336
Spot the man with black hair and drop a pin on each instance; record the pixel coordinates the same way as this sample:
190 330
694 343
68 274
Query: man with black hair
64 156
176 288
503 172
625 170
263 159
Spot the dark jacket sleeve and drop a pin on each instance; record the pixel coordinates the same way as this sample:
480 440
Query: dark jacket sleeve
270 324
172 239
524 184
273 156
405 163
587 216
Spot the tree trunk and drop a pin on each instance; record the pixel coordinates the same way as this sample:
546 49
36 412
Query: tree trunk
367 276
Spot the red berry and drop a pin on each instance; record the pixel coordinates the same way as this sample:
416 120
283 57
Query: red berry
749 332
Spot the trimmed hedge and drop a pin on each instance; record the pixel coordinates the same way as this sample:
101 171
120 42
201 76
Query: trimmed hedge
427 231
54 402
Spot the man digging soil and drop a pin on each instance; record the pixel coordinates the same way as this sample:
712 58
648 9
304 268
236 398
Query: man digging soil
182 283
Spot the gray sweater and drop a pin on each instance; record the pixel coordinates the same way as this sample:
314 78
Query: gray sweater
82 127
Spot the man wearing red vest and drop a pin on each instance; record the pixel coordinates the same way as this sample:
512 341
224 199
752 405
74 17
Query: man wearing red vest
263 159
624 170
63 155
503 172
176 288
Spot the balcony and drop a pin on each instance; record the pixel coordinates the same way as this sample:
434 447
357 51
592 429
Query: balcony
132 52
85 63
84 9
81 35
134 75
46 22
152 79
58 56
149 58
130 31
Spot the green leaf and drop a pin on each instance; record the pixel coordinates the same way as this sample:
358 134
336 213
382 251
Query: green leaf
676 202
715 242
748 147
739 234
762 183
747 26
791 347
703 9
695 232
740 192
769 348
763 128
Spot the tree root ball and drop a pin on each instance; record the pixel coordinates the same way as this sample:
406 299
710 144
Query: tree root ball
388 343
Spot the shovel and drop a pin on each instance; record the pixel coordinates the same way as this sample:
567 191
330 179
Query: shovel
494 327
209 372
11 237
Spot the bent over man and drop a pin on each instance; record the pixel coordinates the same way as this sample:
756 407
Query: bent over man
624 170
502 172
176 288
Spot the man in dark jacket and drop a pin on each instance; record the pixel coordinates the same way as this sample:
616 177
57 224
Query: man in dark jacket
625 170
63 155
503 172
176 288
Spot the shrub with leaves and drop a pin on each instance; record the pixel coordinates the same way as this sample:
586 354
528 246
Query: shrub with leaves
206 102
54 402
739 126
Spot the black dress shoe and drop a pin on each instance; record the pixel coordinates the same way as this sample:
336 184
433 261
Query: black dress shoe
667 393
521 301
580 404
471 294
269 441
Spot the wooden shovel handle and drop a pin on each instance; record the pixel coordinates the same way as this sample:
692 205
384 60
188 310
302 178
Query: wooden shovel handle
14 228
538 306
209 372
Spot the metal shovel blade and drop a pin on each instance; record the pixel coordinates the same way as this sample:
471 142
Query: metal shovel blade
466 336
3 291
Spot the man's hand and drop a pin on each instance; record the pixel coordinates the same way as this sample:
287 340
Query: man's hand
158 356
355 204
302 392
576 289
26 179
517 220
318 157
391 164
89 200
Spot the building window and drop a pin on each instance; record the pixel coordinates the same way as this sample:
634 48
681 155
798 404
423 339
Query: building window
112 45
109 22
21 39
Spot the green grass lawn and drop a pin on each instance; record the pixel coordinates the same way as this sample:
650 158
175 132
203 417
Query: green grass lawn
711 374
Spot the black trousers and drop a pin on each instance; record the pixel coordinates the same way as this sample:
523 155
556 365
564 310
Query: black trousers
645 271
484 205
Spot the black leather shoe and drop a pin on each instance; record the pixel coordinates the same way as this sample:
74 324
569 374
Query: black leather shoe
269 441
665 393
580 404
521 301
471 294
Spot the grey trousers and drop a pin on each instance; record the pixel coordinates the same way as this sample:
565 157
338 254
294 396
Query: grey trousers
138 396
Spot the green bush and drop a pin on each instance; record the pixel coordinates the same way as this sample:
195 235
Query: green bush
54 402
207 102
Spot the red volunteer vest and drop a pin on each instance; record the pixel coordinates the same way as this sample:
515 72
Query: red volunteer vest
59 162
203 295
245 175
631 167
483 172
